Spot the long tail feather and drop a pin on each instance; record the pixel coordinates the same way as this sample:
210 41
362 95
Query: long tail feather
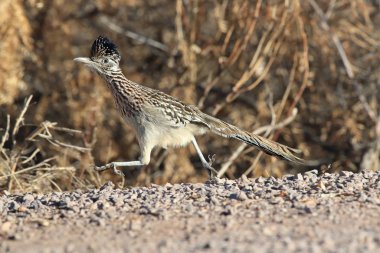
270 147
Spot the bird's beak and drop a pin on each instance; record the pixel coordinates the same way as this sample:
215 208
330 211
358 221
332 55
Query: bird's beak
84 60
87 62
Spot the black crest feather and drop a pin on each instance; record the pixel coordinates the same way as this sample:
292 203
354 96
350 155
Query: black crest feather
103 46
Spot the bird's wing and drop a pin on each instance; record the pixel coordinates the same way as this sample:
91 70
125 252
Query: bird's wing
170 111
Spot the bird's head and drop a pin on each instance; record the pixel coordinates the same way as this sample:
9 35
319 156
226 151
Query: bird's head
104 57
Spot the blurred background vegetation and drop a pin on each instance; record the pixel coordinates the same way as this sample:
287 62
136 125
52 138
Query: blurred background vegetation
304 73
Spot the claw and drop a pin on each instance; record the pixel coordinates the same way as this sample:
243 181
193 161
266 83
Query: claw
109 166
115 170
118 172
211 171
211 159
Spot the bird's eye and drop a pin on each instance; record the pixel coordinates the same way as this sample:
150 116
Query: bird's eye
105 61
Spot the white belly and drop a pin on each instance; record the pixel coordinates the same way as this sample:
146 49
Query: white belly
164 136
174 137
170 137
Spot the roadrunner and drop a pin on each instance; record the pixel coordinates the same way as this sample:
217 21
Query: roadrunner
162 120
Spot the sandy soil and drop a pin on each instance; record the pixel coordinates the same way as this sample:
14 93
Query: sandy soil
301 213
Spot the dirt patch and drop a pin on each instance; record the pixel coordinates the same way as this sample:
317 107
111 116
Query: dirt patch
250 63
304 213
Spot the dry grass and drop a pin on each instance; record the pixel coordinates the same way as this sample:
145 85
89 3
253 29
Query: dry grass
252 63
25 165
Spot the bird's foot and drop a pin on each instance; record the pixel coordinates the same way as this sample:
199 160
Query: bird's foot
212 173
109 166
115 171
211 159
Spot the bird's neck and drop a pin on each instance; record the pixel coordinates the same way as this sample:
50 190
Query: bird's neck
117 82
126 93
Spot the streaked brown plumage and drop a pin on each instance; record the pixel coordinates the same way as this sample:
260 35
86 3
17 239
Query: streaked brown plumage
162 120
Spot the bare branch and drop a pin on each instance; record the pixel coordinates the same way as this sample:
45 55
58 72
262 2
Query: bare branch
346 62
20 118
6 133
132 35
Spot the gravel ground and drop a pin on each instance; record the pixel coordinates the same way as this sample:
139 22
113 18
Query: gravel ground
301 213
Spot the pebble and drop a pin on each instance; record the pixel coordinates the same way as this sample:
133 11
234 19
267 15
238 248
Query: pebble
276 200
260 180
244 179
214 200
346 173
13 206
6 227
28 198
242 196
299 177
258 199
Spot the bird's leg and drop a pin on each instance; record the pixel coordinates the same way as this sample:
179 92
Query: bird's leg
114 166
143 160
211 171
